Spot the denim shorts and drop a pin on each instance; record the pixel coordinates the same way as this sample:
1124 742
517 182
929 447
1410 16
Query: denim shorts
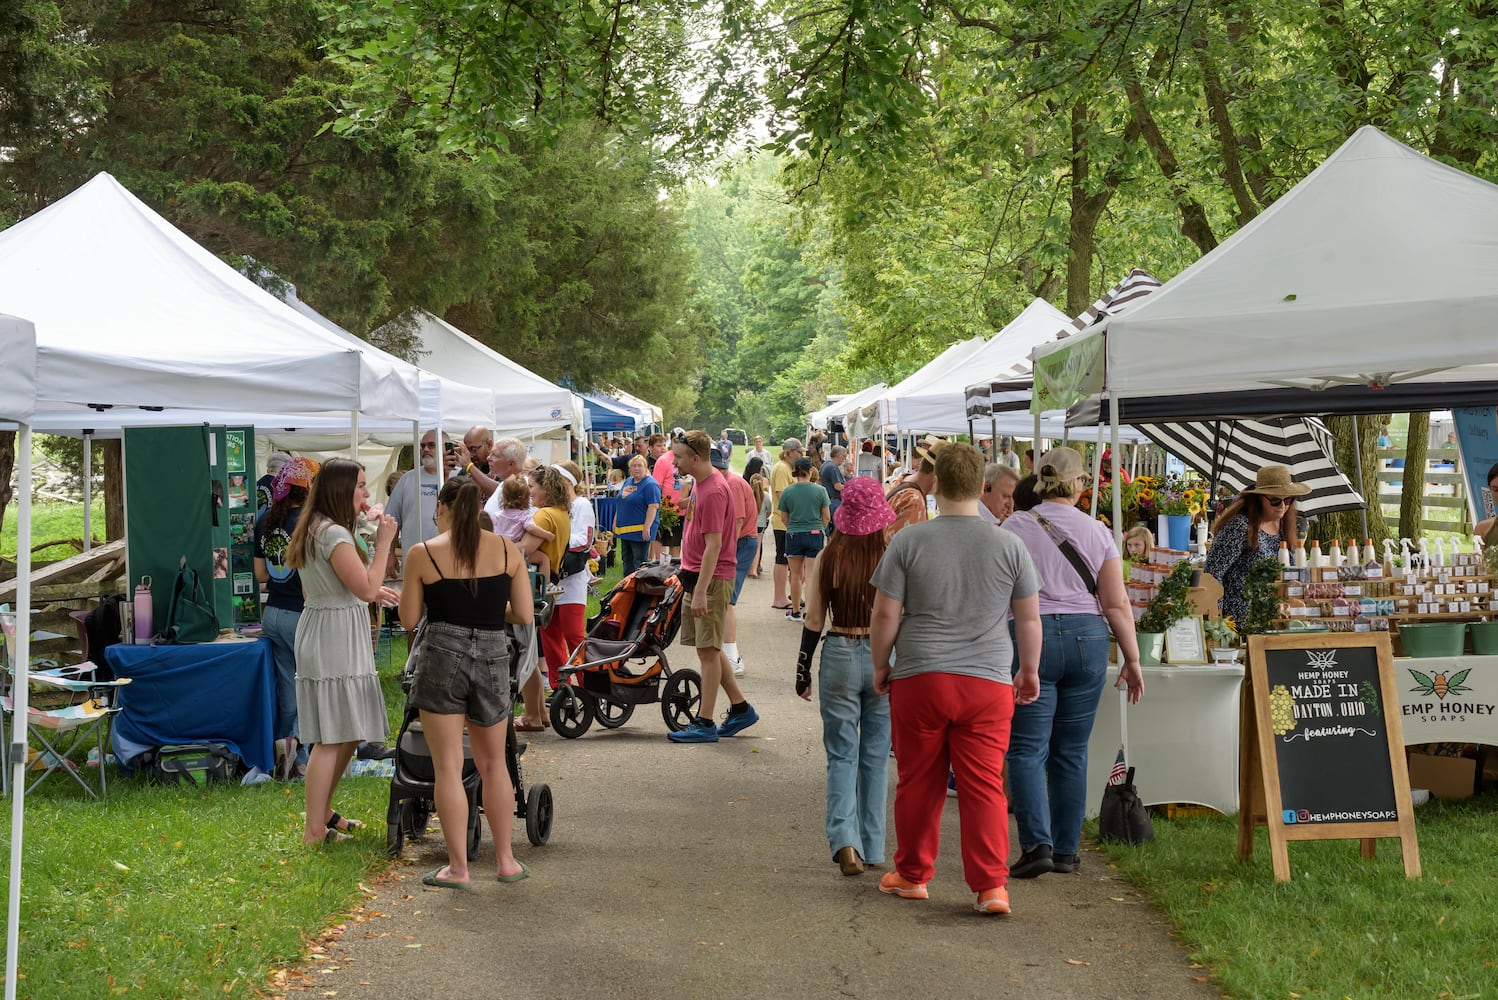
804 543
463 671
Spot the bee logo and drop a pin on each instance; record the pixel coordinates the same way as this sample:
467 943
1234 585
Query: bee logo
1440 685
1322 659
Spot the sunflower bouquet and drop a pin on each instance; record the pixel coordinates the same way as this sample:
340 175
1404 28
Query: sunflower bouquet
669 514
1178 498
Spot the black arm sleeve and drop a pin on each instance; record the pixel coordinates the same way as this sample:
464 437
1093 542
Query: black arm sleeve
809 640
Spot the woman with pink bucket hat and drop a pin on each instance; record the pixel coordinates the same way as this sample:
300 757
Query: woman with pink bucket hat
855 717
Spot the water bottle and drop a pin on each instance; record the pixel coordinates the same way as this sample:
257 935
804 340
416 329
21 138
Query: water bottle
142 611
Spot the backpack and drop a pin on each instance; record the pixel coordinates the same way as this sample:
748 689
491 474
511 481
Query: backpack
101 628
197 764
190 615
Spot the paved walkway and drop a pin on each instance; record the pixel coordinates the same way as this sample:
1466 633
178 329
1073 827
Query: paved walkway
702 871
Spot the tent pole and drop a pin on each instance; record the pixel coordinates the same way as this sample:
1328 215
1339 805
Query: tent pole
993 435
18 738
88 490
353 418
1035 442
1357 457
1097 468
1117 494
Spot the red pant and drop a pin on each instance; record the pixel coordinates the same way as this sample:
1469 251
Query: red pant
942 720
563 634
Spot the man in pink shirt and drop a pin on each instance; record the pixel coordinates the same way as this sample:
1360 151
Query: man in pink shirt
708 563
669 477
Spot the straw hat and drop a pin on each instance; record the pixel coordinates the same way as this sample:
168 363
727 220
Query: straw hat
863 509
1275 481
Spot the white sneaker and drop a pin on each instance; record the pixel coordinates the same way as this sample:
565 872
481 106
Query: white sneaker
738 666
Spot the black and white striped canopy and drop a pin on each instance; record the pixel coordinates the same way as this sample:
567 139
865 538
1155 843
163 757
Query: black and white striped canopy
1231 452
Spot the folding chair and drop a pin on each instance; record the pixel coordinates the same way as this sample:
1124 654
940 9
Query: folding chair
69 729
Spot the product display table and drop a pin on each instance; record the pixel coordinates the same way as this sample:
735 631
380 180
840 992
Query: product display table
1441 704
220 691
1183 737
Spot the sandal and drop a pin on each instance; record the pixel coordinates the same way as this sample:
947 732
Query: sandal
333 836
528 727
780 607
524 872
340 823
431 879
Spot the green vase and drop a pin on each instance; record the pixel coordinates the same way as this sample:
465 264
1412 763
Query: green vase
1151 647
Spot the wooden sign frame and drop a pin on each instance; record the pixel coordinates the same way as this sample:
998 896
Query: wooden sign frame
1196 651
1260 798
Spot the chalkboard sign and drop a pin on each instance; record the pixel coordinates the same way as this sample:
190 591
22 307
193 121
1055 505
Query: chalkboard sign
1323 755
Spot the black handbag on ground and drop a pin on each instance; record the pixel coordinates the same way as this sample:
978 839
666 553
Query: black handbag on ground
1123 818
190 615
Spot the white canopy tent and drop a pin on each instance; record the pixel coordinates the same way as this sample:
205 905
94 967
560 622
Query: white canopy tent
880 415
1366 288
527 405
818 420
131 313
940 405
17 404
652 412
1370 286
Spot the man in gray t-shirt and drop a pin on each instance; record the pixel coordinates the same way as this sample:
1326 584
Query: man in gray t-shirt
944 590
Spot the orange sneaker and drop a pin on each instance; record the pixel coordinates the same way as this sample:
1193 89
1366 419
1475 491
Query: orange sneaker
894 884
992 901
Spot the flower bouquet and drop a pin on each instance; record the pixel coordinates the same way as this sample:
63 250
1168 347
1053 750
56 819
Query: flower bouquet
669 514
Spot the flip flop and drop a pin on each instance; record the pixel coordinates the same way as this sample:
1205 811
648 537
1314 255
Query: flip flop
522 873
334 836
527 727
338 822
431 879
780 607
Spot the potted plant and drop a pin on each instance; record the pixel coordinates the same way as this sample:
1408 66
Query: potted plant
1261 592
1171 603
1179 503
1224 632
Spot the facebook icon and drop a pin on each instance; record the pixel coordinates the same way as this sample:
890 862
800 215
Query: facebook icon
1289 816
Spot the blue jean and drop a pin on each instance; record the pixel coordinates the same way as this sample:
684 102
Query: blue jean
855 734
1048 741
279 626
633 554
745 555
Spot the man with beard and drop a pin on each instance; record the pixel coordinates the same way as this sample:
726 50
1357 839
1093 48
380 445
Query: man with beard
413 502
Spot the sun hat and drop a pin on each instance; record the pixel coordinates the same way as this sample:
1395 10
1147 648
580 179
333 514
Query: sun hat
296 472
1059 465
863 509
1275 481
927 448
716 456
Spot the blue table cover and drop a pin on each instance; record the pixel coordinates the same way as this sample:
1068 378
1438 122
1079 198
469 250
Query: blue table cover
222 691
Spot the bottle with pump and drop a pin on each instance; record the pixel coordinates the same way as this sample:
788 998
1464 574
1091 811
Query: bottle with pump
1285 554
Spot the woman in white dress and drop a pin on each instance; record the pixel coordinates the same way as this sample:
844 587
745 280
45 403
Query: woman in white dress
339 703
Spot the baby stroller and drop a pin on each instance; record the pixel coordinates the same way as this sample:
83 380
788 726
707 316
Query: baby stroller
413 786
636 621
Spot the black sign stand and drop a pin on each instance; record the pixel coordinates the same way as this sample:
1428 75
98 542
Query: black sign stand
1322 755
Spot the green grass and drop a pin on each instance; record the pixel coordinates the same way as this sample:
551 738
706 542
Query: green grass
51 520
1343 926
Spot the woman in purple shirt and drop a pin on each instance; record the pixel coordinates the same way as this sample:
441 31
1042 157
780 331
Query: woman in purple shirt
1048 741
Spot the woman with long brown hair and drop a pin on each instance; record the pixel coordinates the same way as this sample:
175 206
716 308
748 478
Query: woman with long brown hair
463 580
1252 528
551 495
855 717
339 703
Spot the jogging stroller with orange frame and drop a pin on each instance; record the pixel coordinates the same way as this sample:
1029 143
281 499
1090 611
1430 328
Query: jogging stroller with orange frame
611 672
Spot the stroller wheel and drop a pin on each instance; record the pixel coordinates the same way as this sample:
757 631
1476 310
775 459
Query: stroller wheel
681 699
538 813
395 838
611 714
415 813
571 711
475 832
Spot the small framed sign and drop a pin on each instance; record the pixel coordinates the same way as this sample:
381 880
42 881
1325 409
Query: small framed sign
1185 641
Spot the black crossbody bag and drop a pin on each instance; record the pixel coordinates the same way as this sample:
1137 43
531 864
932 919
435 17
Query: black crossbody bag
1089 579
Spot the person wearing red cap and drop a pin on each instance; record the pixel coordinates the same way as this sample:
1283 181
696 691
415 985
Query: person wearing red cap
1105 469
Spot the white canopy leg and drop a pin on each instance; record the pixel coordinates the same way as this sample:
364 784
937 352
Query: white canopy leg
18 740
88 490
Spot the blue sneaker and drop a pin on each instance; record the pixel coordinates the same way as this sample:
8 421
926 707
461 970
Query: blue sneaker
737 722
697 731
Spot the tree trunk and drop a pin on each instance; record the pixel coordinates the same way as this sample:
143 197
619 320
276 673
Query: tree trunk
114 490
7 466
1348 524
1412 493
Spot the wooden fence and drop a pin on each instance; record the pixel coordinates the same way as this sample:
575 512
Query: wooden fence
1445 492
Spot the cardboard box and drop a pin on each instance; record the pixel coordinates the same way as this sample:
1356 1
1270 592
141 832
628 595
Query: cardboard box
1446 777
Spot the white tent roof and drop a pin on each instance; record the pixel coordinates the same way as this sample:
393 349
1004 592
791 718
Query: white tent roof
18 372
941 405
881 413
1380 267
525 403
130 312
652 412
818 419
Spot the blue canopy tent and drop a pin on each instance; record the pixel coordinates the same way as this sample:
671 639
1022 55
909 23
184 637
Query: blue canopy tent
610 415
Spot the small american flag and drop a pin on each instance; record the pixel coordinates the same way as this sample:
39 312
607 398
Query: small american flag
1120 770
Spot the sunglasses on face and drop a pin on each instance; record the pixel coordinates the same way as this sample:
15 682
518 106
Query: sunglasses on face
1278 501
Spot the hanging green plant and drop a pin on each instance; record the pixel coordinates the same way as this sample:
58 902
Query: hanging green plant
1261 593
1171 602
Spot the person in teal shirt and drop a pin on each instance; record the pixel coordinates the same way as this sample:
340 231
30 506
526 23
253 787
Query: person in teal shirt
806 508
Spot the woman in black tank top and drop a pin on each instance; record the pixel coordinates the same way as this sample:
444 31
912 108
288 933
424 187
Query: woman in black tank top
461 582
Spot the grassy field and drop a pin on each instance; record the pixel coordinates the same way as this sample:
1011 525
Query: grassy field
51 520
1342 927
